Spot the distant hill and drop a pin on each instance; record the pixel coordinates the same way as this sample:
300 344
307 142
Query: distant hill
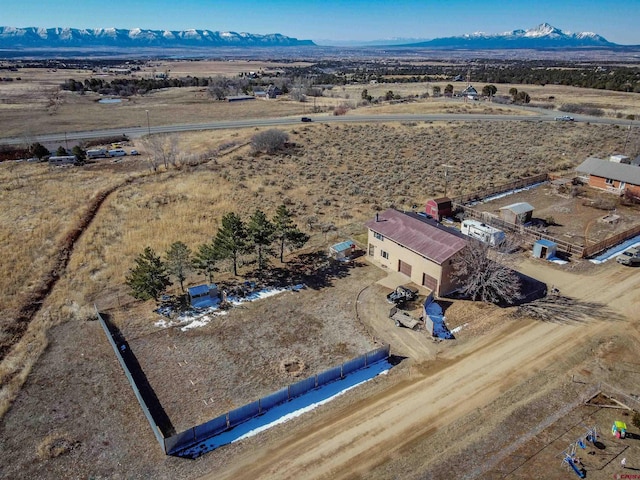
50 38
541 37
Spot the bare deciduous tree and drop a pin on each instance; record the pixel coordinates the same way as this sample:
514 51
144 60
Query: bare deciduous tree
161 149
484 276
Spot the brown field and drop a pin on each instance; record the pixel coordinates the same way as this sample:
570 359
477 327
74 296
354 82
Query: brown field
70 399
34 104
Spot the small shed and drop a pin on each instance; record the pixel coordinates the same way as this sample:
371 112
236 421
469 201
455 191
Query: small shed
343 251
439 208
203 295
545 249
517 213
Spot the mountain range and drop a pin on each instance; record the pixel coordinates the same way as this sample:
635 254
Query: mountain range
541 37
34 37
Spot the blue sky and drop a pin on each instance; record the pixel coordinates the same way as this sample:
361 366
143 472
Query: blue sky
334 19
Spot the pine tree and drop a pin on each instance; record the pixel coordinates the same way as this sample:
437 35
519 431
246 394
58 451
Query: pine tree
205 260
178 259
261 232
231 239
286 232
149 278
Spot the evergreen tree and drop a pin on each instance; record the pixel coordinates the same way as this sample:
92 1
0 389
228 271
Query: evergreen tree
38 150
179 261
286 232
61 151
149 278
205 260
80 154
261 232
231 239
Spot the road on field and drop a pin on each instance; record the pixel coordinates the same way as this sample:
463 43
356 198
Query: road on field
349 442
135 132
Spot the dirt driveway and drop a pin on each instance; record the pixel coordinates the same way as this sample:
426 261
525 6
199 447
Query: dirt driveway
364 437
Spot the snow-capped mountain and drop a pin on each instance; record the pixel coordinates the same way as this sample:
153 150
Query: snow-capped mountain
34 37
542 36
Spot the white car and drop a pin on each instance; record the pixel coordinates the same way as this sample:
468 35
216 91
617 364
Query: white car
564 118
134 152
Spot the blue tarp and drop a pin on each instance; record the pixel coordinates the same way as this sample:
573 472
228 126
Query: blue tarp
440 330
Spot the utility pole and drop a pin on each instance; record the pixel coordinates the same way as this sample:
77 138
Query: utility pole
446 177
148 123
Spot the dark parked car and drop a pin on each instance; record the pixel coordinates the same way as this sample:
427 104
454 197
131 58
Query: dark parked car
306 119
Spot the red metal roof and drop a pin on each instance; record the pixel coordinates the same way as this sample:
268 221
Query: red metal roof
425 237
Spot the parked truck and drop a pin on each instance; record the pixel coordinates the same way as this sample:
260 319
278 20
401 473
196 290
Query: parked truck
401 295
483 232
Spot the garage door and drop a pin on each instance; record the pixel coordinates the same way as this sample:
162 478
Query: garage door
404 268
429 282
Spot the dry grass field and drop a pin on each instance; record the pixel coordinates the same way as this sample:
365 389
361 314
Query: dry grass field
69 235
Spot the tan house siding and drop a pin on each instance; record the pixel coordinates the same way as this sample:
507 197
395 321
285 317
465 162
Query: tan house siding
420 266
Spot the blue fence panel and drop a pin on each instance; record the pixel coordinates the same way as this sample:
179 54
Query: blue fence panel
244 413
377 355
181 440
211 428
329 376
274 399
355 364
303 386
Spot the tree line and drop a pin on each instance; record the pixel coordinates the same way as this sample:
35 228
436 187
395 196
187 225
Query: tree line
151 274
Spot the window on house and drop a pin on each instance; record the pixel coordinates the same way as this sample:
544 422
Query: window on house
608 181
384 254
377 236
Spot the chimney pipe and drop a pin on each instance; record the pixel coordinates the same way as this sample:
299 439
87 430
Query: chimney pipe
377 217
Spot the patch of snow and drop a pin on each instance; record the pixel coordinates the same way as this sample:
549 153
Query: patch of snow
457 329
510 192
557 260
206 312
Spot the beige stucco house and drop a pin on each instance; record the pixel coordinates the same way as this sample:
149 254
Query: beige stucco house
416 246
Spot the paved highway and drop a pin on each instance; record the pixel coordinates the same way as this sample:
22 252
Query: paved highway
134 132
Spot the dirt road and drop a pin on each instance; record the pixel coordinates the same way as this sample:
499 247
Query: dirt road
352 441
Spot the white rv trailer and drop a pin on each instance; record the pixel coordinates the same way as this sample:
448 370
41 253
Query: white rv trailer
483 232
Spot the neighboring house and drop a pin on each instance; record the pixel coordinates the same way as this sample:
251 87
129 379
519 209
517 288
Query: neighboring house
517 213
470 92
273 91
239 98
610 176
439 208
418 247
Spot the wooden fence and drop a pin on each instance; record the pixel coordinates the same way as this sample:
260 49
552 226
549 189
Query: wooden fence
530 233
596 248
505 187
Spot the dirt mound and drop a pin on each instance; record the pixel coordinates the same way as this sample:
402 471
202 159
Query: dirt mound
293 367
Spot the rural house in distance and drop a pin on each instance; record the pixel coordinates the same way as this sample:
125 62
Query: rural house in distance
415 246
610 176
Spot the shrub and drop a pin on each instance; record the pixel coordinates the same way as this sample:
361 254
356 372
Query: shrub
269 141
341 109
636 420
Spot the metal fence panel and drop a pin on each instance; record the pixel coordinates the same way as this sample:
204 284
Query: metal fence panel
303 386
329 376
134 387
381 353
177 442
355 364
211 428
274 399
244 413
